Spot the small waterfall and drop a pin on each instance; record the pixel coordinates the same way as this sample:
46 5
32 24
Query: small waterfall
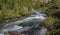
35 17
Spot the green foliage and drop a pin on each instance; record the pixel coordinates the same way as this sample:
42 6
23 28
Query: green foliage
17 8
54 32
57 2
50 22
37 5
14 8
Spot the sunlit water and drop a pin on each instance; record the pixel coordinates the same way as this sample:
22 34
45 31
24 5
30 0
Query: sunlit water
36 17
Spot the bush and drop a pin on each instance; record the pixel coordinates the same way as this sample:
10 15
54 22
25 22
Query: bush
54 32
49 22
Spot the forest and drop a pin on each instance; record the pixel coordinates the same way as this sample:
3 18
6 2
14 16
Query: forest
10 9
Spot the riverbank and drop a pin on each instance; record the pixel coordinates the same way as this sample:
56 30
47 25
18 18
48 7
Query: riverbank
13 19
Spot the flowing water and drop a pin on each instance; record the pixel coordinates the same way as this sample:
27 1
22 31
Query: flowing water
16 25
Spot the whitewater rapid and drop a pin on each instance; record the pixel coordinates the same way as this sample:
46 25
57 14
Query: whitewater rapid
13 26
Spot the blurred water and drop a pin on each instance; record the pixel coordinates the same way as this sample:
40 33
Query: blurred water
35 17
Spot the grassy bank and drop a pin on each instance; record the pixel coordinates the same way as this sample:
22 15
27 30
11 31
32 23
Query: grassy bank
18 8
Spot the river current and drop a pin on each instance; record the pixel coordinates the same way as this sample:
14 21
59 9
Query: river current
16 25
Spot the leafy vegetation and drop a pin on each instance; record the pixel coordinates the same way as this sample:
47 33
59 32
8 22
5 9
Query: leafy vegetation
17 8
54 32
13 8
